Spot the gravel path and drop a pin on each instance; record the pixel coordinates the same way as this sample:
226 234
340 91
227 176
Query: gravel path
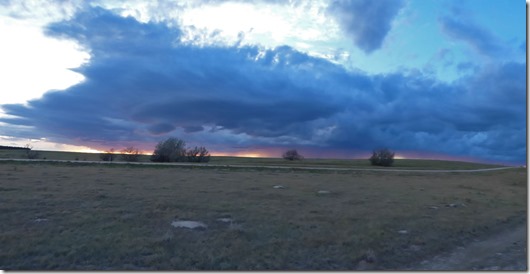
503 251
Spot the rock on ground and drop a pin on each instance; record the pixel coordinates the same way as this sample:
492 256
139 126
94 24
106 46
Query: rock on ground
189 224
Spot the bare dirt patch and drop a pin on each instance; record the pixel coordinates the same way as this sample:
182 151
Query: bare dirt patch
503 251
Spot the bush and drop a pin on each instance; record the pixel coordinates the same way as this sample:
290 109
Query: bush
198 154
130 154
292 155
108 155
31 154
382 157
170 150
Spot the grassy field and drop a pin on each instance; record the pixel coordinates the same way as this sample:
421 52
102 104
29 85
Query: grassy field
350 163
54 155
92 217
225 160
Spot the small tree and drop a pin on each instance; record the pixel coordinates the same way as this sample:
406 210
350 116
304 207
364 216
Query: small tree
130 154
198 154
31 154
292 155
170 150
382 157
108 155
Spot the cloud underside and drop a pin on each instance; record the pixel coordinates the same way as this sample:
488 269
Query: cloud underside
143 85
367 22
479 39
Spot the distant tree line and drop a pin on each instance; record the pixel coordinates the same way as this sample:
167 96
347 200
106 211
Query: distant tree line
174 150
128 154
14 148
29 153
170 150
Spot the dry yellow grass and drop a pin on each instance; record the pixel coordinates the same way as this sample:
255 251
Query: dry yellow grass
60 216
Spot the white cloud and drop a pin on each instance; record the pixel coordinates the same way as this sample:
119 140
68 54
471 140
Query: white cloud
33 63
44 144
40 12
304 27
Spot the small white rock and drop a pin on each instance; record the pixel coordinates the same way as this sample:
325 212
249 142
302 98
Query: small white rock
225 220
188 224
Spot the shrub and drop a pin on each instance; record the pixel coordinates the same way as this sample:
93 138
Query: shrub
198 154
108 155
382 157
292 155
170 150
130 154
31 154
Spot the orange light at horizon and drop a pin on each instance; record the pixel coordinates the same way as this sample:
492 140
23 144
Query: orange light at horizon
86 150
240 154
251 155
399 157
92 150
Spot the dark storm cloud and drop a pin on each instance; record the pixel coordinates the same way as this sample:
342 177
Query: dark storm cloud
143 85
161 128
477 116
138 73
367 21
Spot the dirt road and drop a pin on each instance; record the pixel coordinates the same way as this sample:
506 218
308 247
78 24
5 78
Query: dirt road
503 251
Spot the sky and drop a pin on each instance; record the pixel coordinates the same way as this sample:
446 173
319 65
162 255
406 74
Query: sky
333 79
